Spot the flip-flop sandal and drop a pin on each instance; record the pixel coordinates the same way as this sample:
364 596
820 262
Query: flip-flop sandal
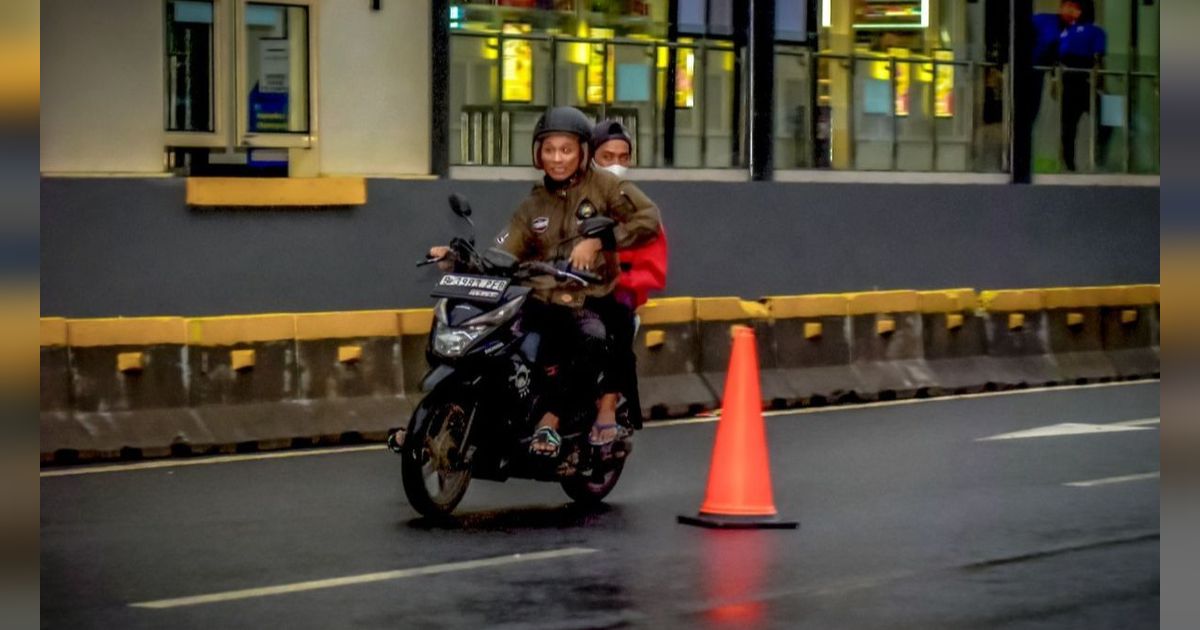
541 437
601 429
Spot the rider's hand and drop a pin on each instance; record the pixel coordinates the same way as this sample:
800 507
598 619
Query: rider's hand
584 253
442 253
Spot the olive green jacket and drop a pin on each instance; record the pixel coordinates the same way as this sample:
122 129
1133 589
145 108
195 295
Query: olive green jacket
545 224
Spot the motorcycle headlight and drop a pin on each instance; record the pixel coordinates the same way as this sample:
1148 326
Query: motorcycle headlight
453 342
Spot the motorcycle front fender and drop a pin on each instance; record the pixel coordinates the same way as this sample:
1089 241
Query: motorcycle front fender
436 376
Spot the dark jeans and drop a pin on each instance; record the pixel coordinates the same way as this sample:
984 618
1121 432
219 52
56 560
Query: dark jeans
621 370
573 352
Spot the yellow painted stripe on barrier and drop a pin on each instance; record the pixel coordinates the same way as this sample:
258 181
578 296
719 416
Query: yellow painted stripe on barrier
1012 300
819 305
276 191
53 331
342 325
1110 296
721 309
968 299
126 331
1140 294
228 330
1073 297
882 302
660 311
938 302
231 330
948 301
415 321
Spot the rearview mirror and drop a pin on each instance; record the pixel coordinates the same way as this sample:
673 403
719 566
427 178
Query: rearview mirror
460 205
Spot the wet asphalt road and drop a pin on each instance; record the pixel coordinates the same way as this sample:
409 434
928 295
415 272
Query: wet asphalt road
906 522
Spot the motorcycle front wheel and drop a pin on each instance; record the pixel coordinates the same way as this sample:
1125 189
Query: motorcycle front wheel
432 468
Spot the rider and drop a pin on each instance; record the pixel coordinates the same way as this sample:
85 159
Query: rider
643 268
545 227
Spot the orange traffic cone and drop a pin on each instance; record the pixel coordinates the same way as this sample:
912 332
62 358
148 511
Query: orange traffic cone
739 479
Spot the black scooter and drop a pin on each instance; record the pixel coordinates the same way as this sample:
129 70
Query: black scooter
482 391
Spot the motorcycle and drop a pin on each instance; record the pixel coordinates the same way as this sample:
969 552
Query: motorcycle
480 406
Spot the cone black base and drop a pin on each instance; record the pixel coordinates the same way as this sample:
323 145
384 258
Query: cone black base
728 521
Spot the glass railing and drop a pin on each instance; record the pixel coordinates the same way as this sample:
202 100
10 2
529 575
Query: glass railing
859 111
501 82
866 111
1091 120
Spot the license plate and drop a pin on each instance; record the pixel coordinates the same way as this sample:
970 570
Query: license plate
471 287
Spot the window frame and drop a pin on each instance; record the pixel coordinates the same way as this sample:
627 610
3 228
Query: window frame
278 140
218 137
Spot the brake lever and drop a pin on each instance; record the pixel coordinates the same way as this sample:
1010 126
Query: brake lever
429 261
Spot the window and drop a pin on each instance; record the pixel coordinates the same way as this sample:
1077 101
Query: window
189 66
238 75
276 63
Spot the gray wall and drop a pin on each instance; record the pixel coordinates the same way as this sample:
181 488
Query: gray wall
132 247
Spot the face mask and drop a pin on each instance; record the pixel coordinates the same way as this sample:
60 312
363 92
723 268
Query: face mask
616 169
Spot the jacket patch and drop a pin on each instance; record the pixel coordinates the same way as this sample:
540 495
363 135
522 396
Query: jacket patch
540 224
585 210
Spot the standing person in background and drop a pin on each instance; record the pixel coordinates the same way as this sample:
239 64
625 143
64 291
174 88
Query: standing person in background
1072 40
643 268
1081 46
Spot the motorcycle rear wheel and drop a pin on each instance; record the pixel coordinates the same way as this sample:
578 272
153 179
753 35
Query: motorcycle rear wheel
591 491
434 475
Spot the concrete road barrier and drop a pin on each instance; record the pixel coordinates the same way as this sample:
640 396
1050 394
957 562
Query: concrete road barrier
887 352
667 347
812 347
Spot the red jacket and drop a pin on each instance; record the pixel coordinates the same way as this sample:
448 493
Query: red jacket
647 271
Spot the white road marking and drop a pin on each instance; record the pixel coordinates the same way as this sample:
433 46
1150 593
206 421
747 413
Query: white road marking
203 461
1143 422
1065 428
365 578
228 459
1109 480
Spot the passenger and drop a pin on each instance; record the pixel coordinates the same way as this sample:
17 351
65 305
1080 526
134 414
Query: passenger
643 270
545 227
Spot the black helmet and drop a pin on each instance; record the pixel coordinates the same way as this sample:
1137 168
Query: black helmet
562 120
610 130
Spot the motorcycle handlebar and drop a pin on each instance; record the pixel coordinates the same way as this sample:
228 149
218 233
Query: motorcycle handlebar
563 272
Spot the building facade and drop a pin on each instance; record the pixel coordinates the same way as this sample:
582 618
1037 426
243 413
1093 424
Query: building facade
770 88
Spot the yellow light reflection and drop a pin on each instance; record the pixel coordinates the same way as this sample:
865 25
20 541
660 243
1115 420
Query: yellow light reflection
903 79
944 86
600 86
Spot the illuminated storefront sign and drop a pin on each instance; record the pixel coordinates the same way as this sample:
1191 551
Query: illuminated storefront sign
518 65
882 14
